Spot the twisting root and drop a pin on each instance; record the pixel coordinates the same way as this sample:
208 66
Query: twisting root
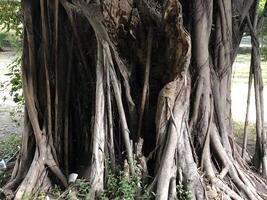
172 114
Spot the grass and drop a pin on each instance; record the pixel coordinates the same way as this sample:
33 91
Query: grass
238 128
240 74
241 68
8 148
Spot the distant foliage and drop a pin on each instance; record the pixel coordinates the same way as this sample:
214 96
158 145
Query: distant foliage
183 193
264 31
15 82
12 29
11 17
261 5
264 41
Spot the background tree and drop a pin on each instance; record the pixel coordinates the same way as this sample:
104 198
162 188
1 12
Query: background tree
11 19
109 81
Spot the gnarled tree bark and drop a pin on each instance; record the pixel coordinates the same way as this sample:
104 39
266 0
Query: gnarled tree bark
87 66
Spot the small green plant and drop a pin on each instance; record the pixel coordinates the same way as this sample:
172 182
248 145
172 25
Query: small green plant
80 190
126 187
11 26
15 82
122 186
8 149
183 193
9 146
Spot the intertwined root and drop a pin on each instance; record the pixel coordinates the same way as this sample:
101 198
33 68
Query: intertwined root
216 170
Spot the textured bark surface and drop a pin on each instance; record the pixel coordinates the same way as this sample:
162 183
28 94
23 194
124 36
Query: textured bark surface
117 81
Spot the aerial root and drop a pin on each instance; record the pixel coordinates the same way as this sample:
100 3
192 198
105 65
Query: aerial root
230 168
36 176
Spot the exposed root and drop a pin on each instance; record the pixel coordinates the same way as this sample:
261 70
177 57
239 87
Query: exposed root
172 116
108 52
37 173
98 144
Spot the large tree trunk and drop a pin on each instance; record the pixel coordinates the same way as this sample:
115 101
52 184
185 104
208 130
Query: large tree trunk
92 70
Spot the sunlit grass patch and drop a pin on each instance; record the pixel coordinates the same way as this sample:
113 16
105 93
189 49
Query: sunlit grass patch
238 128
241 68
